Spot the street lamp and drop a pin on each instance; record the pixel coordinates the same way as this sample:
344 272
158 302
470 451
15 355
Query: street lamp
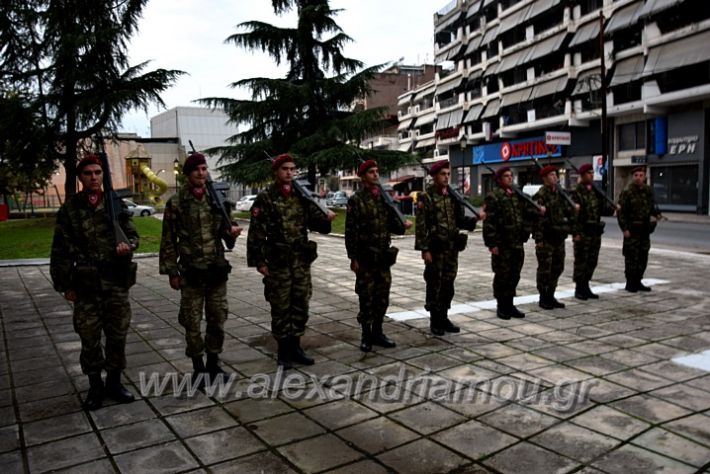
176 171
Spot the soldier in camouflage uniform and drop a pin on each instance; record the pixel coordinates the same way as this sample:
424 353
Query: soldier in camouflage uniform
192 255
368 225
95 273
550 233
505 229
438 218
587 232
279 248
637 216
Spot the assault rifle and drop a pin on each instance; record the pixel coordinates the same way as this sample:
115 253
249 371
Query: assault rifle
517 190
220 204
565 195
595 187
388 200
112 201
470 214
303 191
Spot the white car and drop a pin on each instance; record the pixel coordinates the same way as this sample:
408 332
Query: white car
245 203
138 209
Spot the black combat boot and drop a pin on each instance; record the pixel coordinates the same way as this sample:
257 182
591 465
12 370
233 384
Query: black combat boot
297 354
555 302
283 354
115 389
95 396
446 323
379 338
588 291
631 286
502 309
641 287
435 323
513 311
213 367
366 340
580 291
545 299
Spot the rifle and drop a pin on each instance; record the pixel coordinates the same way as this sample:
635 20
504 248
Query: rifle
469 212
565 195
596 188
388 200
220 204
111 199
305 193
517 190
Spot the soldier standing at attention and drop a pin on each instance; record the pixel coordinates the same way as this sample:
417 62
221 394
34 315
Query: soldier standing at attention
505 229
95 273
368 225
279 248
439 240
637 216
550 234
588 232
192 255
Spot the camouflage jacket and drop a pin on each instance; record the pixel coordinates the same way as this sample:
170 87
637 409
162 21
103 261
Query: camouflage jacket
84 237
558 220
192 232
438 220
507 222
277 220
591 209
637 206
369 224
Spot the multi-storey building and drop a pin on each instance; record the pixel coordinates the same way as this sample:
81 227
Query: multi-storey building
514 69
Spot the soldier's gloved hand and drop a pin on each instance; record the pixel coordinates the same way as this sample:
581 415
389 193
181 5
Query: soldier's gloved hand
70 296
263 269
493 250
426 256
235 231
123 249
175 282
354 266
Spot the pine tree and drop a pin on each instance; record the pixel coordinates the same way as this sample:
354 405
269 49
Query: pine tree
308 113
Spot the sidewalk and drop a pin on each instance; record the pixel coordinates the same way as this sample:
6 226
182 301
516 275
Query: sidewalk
588 389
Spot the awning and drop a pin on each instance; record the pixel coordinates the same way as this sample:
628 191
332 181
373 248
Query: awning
450 85
487 2
490 34
585 33
684 52
516 97
425 120
510 61
477 74
401 179
627 70
656 6
425 143
453 51
549 87
405 146
474 8
473 114
449 119
514 19
539 7
492 69
425 92
473 44
404 124
545 47
448 22
491 109
588 81
624 17
405 99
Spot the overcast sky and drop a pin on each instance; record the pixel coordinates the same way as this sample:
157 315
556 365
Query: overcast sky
189 35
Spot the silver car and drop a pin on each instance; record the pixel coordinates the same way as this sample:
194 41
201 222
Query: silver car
139 209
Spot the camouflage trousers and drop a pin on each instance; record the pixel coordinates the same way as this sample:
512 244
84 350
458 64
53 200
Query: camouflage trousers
550 265
372 285
439 276
586 256
104 310
506 268
213 299
288 290
635 252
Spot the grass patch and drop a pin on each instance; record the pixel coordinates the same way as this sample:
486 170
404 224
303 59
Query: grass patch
32 238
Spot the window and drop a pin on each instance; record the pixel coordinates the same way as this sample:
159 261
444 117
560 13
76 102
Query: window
675 185
588 6
632 136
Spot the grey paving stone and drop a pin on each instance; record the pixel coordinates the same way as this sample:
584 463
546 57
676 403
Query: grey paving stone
223 445
285 429
322 452
117 415
12 462
169 405
638 379
57 427
694 427
530 459
518 420
650 408
610 422
165 458
673 446
338 414
374 436
50 407
200 421
370 467
684 395
474 440
633 460
64 453
9 438
421 456
427 417
575 442
138 435
264 462
100 466
254 409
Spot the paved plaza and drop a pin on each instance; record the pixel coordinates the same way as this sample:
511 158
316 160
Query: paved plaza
591 388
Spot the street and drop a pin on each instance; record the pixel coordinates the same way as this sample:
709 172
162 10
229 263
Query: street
684 236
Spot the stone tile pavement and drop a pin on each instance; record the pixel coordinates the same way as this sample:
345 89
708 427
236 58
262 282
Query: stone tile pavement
587 389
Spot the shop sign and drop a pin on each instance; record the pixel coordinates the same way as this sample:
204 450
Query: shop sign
683 145
515 150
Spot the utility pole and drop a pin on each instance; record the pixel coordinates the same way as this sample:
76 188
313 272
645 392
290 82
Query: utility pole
605 131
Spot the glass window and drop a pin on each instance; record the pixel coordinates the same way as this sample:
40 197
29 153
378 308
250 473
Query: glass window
632 136
675 185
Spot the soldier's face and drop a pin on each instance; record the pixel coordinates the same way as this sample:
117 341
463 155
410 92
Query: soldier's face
285 172
371 176
441 178
198 177
550 179
640 178
506 180
91 178
587 177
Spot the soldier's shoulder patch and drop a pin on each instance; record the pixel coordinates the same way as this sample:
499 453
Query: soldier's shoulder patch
255 211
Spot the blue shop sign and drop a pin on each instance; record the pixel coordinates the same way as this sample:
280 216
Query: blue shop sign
515 150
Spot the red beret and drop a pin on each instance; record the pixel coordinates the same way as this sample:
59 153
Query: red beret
547 170
639 168
366 165
438 166
500 171
192 162
280 160
585 168
88 160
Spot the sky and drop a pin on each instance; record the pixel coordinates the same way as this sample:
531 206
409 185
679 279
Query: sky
189 35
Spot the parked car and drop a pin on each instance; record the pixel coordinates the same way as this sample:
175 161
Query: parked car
139 209
338 199
245 203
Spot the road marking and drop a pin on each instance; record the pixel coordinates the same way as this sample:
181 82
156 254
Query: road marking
697 361
474 306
